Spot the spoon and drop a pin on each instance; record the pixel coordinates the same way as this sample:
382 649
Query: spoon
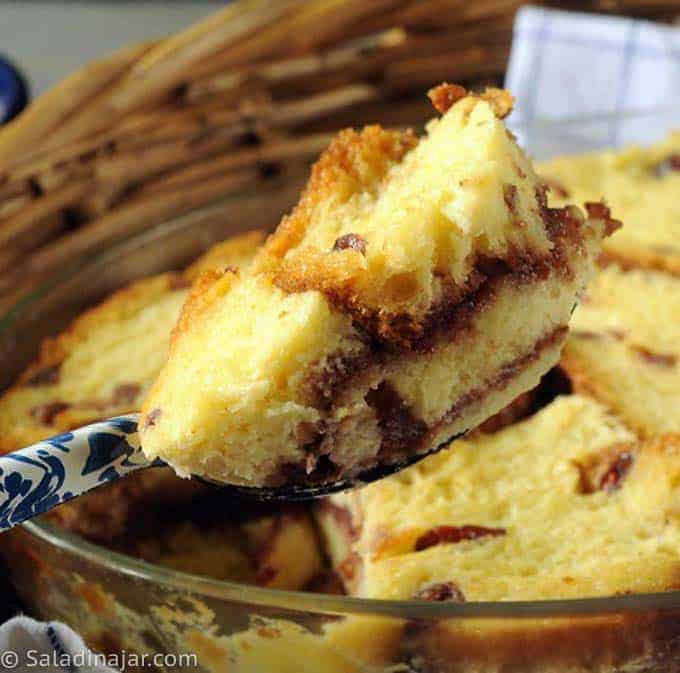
36 479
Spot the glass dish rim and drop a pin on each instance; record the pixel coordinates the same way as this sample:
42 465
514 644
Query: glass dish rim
335 605
138 569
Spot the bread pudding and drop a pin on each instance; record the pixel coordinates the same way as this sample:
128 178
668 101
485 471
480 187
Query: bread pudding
418 287
641 185
624 347
521 514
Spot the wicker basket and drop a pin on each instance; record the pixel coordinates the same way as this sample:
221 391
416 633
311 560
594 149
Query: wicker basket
163 128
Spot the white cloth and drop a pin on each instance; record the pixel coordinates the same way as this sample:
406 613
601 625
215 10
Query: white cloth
27 646
588 81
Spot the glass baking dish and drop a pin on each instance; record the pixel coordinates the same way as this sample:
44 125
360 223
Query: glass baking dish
123 604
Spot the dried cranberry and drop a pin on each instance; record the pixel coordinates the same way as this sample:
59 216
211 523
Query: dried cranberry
44 376
660 359
455 534
353 241
441 591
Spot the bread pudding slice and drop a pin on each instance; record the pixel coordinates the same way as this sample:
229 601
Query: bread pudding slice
641 185
624 347
101 366
567 504
522 514
90 371
417 288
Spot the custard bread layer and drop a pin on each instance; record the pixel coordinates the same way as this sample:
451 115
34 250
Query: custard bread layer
417 288
624 347
522 514
91 371
641 185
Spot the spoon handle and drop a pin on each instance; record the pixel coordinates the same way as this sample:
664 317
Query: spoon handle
40 477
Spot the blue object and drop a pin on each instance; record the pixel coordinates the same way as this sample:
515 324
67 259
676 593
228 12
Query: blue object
41 476
13 91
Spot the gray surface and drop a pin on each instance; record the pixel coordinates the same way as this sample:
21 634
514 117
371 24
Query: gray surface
48 40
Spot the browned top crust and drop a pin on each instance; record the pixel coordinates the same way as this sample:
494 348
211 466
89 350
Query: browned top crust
354 161
209 285
500 100
445 95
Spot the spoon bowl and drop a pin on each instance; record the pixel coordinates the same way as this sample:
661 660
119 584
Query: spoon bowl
39 477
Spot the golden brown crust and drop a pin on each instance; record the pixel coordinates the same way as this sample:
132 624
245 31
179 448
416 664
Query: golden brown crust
501 101
445 95
354 161
358 163
208 287
235 251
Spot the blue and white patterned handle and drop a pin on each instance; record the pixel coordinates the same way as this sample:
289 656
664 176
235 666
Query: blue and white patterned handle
40 477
